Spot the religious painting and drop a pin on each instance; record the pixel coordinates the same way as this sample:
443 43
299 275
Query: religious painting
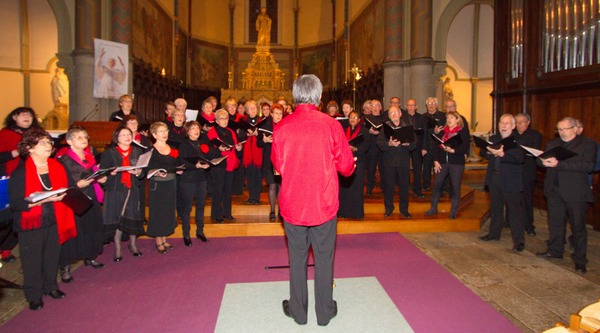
317 60
243 57
209 65
366 37
111 69
181 55
152 32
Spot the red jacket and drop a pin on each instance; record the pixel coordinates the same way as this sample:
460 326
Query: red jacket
309 149
8 142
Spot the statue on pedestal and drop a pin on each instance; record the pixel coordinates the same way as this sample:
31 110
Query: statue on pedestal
263 26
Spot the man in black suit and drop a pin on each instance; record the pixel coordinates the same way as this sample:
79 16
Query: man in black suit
419 123
428 143
568 192
396 165
531 138
505 174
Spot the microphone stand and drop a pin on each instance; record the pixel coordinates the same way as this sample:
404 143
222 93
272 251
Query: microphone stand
91 113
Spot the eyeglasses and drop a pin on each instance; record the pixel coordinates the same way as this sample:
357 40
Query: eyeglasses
431 103
223 118
46 143
562 130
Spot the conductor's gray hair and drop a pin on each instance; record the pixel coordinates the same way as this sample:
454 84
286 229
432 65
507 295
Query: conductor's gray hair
307 90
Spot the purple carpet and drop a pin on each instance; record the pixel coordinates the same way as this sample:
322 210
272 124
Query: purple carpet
181 291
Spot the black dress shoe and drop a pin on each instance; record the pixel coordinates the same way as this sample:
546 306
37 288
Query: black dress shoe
419 195
272 216
229 218
135 253
518 248
117 259
286 311
187 241
388 213
580 268
548 255
488 238
431 211
406 215
202 238
93 263
36 305
56 294
531 232
65 274
219 220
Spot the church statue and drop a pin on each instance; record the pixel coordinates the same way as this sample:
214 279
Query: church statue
263 26
60 87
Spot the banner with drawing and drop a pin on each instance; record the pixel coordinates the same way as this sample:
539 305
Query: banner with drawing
111 69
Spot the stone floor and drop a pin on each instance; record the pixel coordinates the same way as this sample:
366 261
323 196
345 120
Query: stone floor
533 293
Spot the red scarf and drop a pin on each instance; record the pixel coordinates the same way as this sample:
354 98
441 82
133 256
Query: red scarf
90 163
9 138
232 161
352 134
125 176
449 133
210 117
32 219
252 153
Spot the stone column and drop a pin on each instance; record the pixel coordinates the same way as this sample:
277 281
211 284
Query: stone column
393 66
87 27
121 25
421 63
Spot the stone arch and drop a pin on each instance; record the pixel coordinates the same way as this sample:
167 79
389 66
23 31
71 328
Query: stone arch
65 31
448 15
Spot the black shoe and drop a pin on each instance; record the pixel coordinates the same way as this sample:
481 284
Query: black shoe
580 268
272 216
388 213
117 259
135 253
202 238
36 305
419 195
406 215
93 263
452 216
161 248
531 232
488 238
431 211
286 311
187 241
65 274
518 248
219 220
548 255
335 310
56 294
229 218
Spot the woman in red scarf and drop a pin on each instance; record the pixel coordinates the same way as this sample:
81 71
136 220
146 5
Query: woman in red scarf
449 161
352 197
122 211
224 140
265 141
19 121
252 158
42 226
80 163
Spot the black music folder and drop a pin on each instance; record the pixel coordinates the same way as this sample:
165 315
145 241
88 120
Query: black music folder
453 142
99 173
357 140
432 122
404 134
559 152
371 121
508 143
74 198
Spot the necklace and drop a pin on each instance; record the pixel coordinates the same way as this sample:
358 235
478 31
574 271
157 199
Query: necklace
43 164
42 182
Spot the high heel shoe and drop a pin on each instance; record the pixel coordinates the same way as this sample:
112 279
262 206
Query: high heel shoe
65 274
161 251
93 263
272 216
167 245
136 253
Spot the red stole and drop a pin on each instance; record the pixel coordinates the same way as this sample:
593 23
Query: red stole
252 153
350 134
8 142
449 133
32 219
232 161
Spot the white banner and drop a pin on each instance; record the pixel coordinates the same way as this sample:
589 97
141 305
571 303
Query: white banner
111 69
